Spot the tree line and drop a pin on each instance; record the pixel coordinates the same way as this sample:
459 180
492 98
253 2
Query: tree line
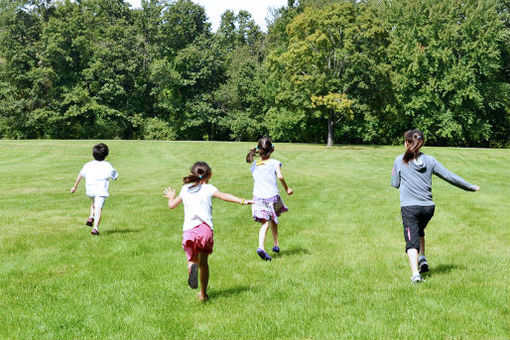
325 71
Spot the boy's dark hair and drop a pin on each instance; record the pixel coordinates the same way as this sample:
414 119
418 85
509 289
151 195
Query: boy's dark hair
264 149
100 151
415 140
199 171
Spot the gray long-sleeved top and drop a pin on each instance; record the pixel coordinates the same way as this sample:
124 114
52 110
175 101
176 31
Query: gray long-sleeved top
414 180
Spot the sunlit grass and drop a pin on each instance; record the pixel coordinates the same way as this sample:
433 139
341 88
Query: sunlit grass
342 272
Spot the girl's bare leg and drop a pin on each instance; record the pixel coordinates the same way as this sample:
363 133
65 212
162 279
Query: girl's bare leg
204 276
274 231
262 233
422 246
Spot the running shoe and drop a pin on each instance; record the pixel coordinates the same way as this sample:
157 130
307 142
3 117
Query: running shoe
90 221
263 255
423 264
276 249
417 279
94 232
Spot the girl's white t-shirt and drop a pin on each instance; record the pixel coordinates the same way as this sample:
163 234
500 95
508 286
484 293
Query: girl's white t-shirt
97 176
264 176
197 202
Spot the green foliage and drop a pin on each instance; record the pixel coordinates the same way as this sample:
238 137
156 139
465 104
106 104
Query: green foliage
336 56
446 61
372 69
155 128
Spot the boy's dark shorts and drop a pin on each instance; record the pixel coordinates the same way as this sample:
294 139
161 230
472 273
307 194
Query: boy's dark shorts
415 219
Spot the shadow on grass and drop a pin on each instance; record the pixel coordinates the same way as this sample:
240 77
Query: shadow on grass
291 252
444 269
119 231
229 291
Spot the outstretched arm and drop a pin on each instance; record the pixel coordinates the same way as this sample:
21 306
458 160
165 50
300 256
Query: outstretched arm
395 175
78 179
280 177
172 200
452 178
231 198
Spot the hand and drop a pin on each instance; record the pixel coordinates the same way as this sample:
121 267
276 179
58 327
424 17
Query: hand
169 193
73 189
290 191
477 188
248 202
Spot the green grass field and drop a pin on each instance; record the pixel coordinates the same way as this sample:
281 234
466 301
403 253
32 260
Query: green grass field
342 272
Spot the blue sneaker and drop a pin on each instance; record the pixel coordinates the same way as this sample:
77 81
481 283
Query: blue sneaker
276 249
263 255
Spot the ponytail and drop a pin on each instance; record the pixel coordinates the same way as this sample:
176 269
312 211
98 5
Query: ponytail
415 140
251 155
191 179
199 171
264 149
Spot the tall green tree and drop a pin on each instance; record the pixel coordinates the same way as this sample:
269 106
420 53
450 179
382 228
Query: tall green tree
20 23
239 97
332 57
446 60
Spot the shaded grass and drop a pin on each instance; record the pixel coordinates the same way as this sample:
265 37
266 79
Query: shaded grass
342 272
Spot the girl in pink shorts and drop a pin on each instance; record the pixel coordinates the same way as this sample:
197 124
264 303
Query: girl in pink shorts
196 195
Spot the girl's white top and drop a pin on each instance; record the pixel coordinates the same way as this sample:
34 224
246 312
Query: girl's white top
197 202
264 176
97 176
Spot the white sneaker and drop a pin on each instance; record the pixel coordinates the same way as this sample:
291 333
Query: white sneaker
417 279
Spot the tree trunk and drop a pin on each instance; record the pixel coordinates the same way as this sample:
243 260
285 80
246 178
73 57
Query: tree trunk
331 129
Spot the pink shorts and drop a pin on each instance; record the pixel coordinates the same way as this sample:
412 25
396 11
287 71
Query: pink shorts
197 240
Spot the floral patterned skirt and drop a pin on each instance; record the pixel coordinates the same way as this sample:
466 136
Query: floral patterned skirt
268 208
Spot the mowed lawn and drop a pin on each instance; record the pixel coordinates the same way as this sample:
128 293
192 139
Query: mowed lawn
342 271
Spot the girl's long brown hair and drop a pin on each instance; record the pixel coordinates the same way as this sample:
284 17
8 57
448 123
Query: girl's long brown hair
199 171
415 141
264 149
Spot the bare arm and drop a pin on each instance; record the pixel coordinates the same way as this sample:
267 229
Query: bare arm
172 200
280 177
231 198
78 179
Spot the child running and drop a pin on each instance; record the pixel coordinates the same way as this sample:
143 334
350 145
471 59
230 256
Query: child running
267 203
197 239
97 174
412 175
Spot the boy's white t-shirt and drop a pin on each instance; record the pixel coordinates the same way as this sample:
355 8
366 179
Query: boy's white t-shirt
197 202
264 176
97 176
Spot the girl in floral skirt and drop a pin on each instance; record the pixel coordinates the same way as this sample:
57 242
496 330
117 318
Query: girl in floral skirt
267 203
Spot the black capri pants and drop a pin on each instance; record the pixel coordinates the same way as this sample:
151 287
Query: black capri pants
415 219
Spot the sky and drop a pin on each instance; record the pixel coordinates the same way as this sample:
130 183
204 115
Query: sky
259 9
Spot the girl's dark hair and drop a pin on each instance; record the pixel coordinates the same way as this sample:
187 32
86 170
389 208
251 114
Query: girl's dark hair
199 171
264 149
415 141
100 151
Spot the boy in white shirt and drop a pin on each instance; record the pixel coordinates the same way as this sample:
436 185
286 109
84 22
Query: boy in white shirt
97 174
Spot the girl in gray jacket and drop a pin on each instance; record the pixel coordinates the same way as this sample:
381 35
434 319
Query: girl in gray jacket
412 175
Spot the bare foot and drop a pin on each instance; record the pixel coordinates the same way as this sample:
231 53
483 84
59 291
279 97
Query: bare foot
203 298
